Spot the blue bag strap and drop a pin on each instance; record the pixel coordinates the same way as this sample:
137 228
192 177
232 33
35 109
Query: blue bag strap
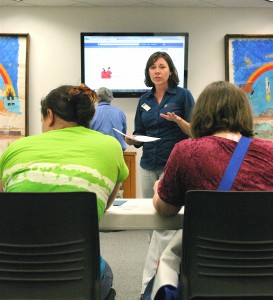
234 164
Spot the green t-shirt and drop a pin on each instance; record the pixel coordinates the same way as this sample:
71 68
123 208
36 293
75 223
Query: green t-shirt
70 159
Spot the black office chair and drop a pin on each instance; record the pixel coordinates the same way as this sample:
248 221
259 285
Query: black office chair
49 246
227 250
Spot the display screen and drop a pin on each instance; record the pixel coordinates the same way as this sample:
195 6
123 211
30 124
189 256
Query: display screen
117 60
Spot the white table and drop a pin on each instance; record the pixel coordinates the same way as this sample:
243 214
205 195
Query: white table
138 214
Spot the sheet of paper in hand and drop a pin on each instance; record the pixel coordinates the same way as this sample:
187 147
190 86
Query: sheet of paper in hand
139 138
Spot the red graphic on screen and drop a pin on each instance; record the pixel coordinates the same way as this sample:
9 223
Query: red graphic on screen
106 74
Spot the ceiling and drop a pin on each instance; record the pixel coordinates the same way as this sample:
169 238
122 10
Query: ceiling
141 3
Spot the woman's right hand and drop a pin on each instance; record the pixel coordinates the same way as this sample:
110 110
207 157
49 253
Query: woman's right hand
130 141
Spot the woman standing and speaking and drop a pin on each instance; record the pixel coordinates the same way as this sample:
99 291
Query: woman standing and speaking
163 103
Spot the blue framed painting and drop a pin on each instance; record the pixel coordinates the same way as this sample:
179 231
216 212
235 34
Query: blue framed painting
249 65
13 88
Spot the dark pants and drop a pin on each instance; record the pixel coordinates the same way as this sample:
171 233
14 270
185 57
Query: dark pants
106 282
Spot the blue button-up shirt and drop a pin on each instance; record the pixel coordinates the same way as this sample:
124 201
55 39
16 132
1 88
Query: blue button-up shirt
108 117
148 122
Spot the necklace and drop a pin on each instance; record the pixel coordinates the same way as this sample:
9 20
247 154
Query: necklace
234 136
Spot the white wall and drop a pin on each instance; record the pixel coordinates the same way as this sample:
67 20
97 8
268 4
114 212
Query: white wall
55 43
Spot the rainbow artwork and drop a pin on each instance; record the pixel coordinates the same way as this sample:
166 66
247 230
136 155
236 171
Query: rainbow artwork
252 70
12 89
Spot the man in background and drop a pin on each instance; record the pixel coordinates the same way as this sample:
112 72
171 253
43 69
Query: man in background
108 117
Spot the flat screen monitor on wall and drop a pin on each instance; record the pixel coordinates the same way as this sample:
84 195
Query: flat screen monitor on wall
117 60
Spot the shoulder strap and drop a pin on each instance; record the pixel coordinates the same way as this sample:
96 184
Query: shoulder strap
234 164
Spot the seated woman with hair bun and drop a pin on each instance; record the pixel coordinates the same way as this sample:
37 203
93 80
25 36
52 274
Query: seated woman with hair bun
67 156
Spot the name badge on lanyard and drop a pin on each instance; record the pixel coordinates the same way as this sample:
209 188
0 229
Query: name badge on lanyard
146 106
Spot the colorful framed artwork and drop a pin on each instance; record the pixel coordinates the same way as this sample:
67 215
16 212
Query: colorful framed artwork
13 88
249 65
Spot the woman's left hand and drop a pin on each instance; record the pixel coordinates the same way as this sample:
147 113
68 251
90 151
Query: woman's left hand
184 125
171 116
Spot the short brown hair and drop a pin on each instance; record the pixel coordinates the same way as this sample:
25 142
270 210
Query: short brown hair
173 79
222 106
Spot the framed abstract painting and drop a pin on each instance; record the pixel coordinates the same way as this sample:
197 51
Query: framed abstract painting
13 88
249 65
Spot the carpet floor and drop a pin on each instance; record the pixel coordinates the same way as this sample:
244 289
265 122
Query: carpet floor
125 251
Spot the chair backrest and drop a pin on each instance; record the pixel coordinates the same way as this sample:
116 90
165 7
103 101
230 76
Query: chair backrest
227 249
49 246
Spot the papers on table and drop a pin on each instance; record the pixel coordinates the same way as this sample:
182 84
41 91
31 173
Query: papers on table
139 138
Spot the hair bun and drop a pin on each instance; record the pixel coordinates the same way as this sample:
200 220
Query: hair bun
84 90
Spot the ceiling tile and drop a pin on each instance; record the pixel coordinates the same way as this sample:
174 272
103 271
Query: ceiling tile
141 3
